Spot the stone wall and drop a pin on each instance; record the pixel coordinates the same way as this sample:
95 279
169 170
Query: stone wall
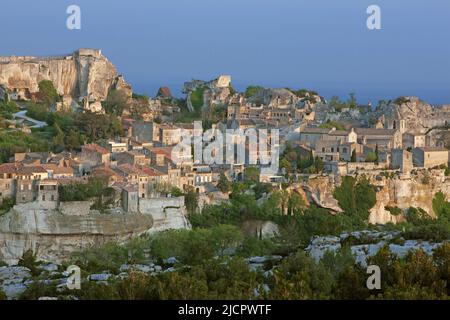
75 208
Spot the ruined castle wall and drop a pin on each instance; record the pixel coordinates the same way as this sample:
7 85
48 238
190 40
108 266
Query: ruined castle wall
86 73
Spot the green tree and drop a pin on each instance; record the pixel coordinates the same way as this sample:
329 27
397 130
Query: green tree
176 192
48 91
441 206
251 91
353 159
58 139
352 102
116 102
356 198
251 174
224 184
28 260
226 237
371 157
73 140
191 201
296 204
377 154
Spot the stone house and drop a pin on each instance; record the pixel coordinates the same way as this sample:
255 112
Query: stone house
429 157
329 150
56 172
142 131
310 135
385 138
8 177
116 147
170 135
134 175
130 198
25 182
109 174
47 193
401 159
342 136
132 157
414 140
95 154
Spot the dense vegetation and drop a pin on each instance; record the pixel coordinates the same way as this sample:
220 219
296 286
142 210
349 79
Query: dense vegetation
339 105
251 91
298 276
294 161
94 189
12 141
71 129
332 124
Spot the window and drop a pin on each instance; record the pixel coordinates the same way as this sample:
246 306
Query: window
43 197
52 197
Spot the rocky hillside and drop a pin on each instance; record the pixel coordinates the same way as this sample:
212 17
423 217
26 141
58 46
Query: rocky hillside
84 74
393 190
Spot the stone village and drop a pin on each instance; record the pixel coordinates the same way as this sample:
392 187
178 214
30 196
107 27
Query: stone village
397 145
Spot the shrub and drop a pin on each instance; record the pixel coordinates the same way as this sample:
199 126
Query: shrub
28 260
7 204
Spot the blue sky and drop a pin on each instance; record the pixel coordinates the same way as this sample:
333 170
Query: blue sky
317 44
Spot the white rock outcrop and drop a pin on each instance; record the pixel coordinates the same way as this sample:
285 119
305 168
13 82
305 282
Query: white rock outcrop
85 74
53 236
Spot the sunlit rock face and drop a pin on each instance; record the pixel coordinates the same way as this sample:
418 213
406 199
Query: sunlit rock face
401 191
85 74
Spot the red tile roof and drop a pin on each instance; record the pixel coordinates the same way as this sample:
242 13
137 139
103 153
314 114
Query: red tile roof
96 148
151 172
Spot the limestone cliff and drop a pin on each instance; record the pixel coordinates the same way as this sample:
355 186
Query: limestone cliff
405 191
319 190
84 74
53 236
398 190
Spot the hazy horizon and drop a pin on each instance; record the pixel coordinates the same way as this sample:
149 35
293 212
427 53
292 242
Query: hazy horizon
322 45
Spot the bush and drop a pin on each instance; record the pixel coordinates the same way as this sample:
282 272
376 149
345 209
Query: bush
7 204
108 257
395 211
28 260
48 91
252 246
84 191
356 198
